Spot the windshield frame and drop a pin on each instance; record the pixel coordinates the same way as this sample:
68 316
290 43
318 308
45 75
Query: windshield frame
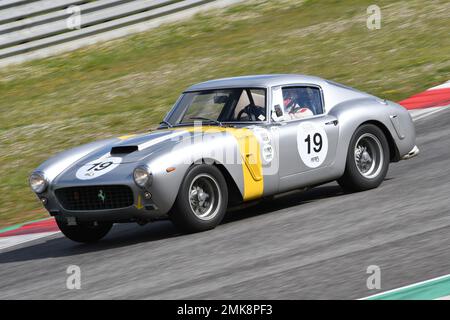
178 105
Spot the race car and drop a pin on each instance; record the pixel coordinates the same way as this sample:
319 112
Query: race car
223 143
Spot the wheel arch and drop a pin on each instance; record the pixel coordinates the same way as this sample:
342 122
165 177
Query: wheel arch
234 194
393 150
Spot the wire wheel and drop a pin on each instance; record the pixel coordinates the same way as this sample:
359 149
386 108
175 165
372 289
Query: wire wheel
204 196
369 156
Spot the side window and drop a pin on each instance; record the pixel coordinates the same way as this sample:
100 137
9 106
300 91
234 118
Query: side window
301 102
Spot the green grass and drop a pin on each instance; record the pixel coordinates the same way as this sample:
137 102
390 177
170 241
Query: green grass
127 85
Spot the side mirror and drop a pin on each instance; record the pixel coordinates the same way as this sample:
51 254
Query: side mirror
278 111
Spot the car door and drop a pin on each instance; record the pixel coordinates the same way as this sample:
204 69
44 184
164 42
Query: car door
307 136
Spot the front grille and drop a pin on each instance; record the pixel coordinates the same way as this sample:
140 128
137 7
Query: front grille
95 197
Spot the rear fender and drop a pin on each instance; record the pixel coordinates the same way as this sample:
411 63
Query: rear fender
393 119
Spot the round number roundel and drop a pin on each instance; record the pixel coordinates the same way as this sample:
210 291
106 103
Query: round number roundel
312 144
97 168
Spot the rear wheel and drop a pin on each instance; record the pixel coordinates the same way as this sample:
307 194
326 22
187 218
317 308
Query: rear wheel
202 199
87 232
367 159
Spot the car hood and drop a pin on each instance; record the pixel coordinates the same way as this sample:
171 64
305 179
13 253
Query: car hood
136 148
115 157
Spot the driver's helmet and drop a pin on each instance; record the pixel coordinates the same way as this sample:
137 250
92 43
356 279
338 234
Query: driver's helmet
293 106
289 99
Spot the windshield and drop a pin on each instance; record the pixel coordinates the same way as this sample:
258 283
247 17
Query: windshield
217 106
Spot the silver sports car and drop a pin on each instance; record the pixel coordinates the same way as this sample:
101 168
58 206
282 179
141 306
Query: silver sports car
225 142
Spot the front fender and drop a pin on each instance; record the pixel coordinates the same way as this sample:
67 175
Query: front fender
60 162
206 148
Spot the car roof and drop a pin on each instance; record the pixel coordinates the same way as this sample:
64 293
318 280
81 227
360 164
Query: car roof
256 81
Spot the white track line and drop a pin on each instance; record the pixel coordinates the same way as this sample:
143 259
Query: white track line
406 287
418 114
7 242
442 86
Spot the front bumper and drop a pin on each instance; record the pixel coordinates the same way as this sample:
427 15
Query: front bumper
142 209
414 152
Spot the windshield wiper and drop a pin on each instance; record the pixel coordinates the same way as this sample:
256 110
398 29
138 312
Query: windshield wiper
168 124
207 119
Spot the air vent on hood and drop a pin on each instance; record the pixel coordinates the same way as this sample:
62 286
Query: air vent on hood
123 149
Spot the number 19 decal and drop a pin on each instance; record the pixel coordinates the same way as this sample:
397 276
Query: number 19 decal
97 168
312 144
317 142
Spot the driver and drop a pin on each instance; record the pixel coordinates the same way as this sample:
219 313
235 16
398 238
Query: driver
293 108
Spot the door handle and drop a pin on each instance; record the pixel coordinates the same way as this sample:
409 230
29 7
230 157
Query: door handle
334 122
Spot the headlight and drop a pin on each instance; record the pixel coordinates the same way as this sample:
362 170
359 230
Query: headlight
142 176
38 183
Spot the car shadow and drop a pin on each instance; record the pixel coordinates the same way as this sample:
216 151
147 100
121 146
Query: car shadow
283 201
123 235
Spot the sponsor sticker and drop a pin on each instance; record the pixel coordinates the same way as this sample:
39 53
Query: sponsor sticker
265 142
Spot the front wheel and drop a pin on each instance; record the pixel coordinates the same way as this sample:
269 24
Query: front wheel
84 232
202 199
367 159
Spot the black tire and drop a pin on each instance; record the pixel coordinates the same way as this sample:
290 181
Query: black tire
84 232
354 179
213 186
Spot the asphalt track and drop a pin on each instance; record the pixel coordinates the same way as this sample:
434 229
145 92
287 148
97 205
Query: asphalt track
311 245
